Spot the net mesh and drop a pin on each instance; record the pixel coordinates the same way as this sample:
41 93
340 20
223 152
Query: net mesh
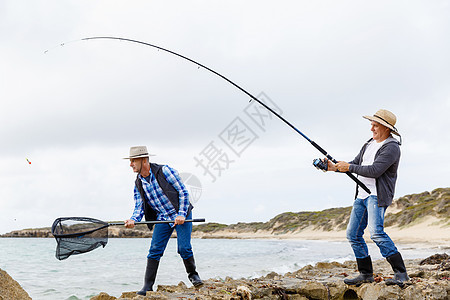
77 235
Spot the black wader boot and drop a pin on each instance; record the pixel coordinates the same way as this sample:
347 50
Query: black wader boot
192 274
365 272
150 275
400 275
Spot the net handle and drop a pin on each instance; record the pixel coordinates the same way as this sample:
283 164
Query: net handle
156 222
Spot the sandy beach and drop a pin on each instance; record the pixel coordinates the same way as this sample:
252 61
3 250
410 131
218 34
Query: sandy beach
429 231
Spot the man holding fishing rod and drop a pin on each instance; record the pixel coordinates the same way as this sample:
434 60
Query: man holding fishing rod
376 166
159 194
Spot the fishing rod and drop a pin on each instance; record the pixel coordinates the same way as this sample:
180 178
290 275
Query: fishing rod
314 144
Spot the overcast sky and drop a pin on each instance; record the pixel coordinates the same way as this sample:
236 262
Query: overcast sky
75 110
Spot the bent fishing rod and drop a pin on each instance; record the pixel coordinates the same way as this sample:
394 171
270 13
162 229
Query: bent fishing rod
314 144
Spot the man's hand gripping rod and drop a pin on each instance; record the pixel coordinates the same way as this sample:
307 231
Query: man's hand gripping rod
335 161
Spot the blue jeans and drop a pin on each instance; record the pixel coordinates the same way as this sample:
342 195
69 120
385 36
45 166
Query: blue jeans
161 236
367 212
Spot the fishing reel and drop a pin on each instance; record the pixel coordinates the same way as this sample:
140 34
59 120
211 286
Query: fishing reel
321 164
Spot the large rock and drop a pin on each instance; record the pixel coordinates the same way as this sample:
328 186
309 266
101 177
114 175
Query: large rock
11 289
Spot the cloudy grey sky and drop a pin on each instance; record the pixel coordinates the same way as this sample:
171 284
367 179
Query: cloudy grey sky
75 110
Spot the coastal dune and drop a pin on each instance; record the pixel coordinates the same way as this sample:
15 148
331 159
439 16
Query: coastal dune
429 231
416 218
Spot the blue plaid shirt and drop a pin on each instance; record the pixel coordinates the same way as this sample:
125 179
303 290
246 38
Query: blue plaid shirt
158 200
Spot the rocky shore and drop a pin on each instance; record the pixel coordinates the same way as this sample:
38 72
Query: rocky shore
430 279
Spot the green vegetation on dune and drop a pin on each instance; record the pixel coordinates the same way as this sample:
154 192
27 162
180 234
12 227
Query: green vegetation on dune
417 206
209 227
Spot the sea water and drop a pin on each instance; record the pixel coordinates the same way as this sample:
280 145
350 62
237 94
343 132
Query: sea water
120 266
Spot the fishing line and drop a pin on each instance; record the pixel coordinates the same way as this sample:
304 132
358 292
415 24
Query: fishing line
61 45
315 145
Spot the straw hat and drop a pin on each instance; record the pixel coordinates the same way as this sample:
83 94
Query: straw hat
138 152
386 118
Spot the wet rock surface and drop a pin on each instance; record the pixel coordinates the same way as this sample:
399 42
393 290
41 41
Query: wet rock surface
430 279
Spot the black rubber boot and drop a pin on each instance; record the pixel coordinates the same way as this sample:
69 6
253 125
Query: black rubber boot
398 265
150 275
192 274
365 272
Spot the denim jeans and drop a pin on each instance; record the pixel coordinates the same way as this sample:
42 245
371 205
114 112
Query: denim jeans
161 236
367 212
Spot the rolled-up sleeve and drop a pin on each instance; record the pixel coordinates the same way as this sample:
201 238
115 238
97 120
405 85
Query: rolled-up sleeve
174 179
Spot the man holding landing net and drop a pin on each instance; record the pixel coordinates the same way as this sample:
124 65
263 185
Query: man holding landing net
159 194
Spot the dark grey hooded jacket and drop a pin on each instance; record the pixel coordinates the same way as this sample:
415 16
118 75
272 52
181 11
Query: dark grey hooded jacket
383 169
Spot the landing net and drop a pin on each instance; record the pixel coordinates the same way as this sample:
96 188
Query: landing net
77 235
